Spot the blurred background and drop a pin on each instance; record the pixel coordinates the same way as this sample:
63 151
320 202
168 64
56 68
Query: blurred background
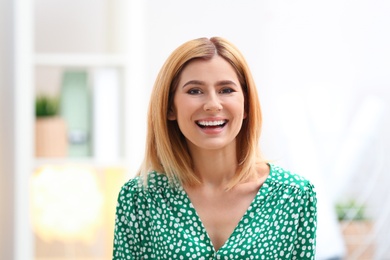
76 77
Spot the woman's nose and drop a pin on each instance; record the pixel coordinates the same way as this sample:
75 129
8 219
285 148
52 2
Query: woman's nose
212 103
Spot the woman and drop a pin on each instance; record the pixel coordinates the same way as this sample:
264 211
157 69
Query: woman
203 191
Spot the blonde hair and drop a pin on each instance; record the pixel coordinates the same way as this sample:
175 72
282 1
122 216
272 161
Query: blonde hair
166 148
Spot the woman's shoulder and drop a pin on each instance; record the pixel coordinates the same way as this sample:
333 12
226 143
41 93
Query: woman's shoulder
154 181
286 178
137 194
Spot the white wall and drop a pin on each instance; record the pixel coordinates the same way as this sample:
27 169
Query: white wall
292 47
6 132
16 130
80 26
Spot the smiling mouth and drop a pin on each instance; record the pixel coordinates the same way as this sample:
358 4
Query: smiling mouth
211 124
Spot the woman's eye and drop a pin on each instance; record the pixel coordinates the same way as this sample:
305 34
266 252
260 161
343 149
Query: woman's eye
194 91
227 91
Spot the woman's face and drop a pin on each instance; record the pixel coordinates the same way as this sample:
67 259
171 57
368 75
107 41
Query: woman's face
208 104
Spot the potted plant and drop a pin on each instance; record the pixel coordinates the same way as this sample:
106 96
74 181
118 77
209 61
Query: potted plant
356 228
50 128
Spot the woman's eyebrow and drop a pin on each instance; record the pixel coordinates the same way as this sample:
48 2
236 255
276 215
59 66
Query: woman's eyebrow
225 82
201 83
194 82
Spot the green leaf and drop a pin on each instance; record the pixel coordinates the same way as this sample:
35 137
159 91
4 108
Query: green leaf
46 106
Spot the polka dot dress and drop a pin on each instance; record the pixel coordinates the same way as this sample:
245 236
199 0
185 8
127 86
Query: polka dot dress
159 222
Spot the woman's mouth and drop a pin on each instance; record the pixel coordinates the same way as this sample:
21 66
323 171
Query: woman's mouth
211 124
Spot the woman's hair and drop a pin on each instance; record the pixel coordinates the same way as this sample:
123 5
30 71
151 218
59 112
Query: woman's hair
166 147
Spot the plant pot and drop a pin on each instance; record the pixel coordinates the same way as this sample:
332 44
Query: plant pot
50 137
357 234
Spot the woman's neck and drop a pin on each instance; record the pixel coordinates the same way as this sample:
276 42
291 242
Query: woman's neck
214 167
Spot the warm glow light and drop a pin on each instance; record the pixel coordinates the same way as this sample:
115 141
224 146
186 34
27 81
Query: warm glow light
66 203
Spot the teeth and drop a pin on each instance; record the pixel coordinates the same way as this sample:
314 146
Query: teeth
211 123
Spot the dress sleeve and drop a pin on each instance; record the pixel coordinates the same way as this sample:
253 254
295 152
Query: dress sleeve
126 237
306 234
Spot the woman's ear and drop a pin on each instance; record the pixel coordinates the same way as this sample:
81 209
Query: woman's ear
171 114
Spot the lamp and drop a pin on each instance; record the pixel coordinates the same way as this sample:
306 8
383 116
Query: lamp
66 203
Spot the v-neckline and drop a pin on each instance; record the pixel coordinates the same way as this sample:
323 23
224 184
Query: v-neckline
262 190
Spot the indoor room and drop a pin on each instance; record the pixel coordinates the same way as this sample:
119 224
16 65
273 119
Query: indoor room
76 78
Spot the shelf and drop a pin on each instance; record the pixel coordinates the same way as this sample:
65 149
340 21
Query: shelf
103 37
79 60
39 162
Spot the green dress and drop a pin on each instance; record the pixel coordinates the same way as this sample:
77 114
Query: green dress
159 222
